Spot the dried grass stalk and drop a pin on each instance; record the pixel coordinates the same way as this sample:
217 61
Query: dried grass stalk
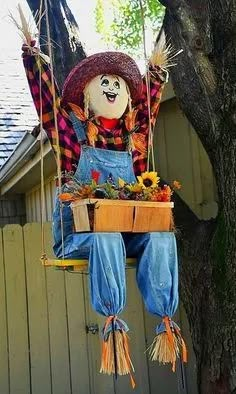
24 26
161 350
163 54
27 28
122 358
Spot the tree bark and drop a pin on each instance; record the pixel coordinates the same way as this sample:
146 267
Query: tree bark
64 31
205 85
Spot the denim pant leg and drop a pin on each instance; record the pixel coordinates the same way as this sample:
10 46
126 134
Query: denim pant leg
107 273
157 270
107 258
74 246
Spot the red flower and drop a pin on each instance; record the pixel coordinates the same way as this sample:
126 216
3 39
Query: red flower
95 175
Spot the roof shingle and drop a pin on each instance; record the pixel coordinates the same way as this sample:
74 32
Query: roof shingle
17 112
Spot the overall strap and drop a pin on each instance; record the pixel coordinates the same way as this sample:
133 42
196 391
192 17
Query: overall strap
79 127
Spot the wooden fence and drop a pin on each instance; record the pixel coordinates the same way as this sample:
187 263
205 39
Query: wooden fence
44 347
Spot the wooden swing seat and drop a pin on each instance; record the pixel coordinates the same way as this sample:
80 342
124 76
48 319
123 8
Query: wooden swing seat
79 264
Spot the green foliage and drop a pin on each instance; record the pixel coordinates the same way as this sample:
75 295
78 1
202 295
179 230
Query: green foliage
100 20
99 17
120 22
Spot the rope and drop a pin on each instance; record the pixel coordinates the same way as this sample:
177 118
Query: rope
58 153
43 215
147 78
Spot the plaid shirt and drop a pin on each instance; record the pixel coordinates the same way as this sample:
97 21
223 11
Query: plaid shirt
113 139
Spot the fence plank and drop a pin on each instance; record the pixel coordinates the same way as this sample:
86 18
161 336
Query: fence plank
170 382
4 365
100 383
38 314
133 315
16 310
60 355
48 200
38 205
77 334
191 366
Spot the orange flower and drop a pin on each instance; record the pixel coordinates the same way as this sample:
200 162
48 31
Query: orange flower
86 191
66 197
177 185
161 195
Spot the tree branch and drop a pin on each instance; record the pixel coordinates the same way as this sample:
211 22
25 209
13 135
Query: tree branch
194 78
64 31
171 3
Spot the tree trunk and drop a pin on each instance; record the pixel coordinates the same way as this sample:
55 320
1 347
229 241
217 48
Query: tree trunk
64 31
205 85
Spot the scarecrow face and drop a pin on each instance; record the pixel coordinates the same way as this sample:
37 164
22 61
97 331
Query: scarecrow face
108 96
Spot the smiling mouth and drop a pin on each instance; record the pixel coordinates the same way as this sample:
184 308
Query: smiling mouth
110 96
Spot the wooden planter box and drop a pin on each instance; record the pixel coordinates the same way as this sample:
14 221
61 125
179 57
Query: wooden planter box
121 215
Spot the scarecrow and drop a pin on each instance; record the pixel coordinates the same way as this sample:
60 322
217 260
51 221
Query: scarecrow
101 124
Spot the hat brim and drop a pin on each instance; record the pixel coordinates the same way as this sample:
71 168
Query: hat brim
115 63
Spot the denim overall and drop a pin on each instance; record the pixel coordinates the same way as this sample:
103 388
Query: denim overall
155 252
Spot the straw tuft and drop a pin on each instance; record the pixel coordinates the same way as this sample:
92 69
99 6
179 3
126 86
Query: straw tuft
164 54
122 357
26 27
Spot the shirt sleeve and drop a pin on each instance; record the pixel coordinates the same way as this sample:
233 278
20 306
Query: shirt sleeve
140 137
68 144
154 91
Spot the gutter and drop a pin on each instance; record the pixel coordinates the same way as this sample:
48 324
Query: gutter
25 155
23 151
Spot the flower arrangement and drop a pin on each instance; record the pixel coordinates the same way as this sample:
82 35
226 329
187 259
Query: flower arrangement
146 188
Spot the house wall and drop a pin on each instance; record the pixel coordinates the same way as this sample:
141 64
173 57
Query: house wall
179 154
12 209
33 201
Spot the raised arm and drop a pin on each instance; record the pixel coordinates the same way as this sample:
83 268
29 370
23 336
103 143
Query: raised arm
149 104
163 57
36 66
153 85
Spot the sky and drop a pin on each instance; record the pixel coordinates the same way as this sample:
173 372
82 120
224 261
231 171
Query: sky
11 66
10 42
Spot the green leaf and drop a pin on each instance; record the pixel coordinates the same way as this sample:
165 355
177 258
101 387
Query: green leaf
125 31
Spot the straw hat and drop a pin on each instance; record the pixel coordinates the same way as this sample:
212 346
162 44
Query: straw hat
116 63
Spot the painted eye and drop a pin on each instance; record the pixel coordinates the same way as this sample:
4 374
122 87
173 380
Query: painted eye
116 84
105 82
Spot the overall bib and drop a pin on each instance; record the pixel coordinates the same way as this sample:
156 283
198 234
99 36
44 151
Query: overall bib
157 271
105 251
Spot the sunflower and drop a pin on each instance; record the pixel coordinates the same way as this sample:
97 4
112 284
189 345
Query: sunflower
121 182
148 179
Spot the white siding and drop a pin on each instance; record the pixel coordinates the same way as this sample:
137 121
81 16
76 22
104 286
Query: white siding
34 203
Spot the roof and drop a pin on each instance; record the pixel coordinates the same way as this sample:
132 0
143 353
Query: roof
17 112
